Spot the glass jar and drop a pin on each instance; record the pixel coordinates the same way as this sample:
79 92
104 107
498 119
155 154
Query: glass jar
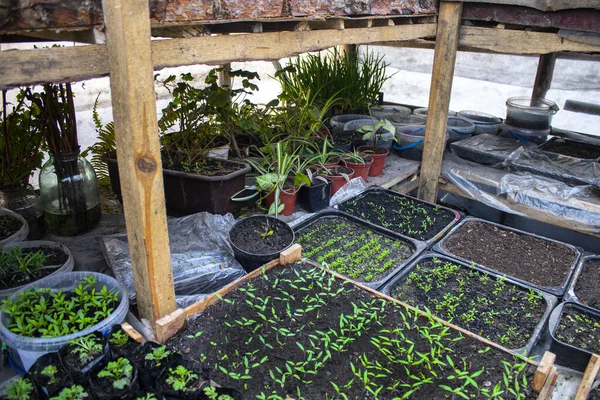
69 193
24 201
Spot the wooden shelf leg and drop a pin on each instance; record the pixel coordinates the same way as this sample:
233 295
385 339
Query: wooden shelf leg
589 376
444 59
138 152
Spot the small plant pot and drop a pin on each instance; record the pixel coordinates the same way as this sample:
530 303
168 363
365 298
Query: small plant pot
195 386
124 350
379 155
17 230
286 197
103 386
251 249
233 393
151 371
73 365
338 180
360 169
47 386
315 197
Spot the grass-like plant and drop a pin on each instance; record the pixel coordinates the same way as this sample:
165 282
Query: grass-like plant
17 263
120 372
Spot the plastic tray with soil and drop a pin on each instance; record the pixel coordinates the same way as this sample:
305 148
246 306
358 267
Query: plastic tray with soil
401 214
487 304
355 249
575 331
301 332
571 148
536 261
584 285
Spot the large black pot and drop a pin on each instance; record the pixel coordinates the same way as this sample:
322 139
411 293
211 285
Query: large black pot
245 251
316 197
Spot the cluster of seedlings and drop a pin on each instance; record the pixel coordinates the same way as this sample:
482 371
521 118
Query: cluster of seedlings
579 329
20 266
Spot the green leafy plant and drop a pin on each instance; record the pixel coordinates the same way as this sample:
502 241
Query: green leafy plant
180 377
75 392
158 354
147 396
21 389
374 131
118 338
50 372
17 264
120 372
105 146
87 347
211 393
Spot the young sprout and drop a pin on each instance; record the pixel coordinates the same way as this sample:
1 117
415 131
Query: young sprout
180 377
157 355
21 389
75 392
119 371
88 347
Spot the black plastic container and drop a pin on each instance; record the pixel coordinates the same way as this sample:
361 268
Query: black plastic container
494 151
558 291
567 355
417 246
188 193
78 375
593 147
570 294
549 299
316 197
249 259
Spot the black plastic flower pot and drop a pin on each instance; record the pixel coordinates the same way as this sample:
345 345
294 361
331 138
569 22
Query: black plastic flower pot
49 384
316 197
103 387
192 391
123 350
188 193
76 370
258 239
151 369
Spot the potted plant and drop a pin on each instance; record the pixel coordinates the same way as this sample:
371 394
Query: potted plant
73 392
259 239
315 194
20 389
68 184
20 156
120 343
152 359
49 375
359 162
339 176
116 380
181 381
379 154
80 355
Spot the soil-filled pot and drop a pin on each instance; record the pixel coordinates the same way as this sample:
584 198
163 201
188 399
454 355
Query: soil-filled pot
152 359
115 380
13 227
287 197
360 169
120 343
339 177
379 155
25 202
189 193
258 239
80 355
56 259
196 379
315 197
48 374
575 334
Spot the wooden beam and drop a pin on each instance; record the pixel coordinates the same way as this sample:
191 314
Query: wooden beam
439 98
26 67
138 153
589 376
543 371
543 77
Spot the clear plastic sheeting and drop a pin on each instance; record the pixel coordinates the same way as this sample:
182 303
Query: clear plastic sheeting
487 149
201 257
570 170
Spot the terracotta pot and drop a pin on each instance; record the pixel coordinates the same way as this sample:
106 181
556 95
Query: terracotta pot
378 154
286 197
337 181
360 169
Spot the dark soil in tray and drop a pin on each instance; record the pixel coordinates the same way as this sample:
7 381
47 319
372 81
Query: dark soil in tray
203 166
529 258
399 213
301 333
579 329
573 149
586 288
54 257
9 226
493 308
351 249
260 236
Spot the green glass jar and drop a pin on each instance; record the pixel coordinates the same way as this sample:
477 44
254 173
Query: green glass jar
69 193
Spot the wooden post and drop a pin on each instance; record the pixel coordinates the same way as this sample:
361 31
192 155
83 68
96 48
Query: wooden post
138 152
446 44
224 77
543 77
589 376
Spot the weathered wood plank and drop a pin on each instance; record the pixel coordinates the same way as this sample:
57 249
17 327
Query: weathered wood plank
138 152
589 376
439 98
543 371
67 64
361 7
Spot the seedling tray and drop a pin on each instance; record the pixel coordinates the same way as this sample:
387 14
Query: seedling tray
206 337
492 278
486 149
453 216
583 277
550 146
415 247
569 355
495 248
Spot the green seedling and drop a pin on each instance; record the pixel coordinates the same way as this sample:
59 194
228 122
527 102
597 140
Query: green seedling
50 372
87 347
75 392
180 377
147 396
120 372
157 355
21 389
211 393
119 338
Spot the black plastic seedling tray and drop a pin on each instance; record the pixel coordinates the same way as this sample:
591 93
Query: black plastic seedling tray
549 299
593 147
568 355
558 291
436 237
471 149
570 294
416 246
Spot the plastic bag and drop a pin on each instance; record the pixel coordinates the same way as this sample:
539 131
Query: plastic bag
201 256
352 188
